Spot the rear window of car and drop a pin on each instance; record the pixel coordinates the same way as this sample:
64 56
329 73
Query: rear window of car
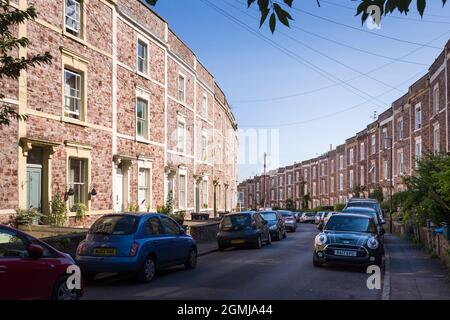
368 204
269 216
235 222
351 224
115 225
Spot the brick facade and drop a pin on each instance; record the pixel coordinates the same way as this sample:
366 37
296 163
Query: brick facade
126 166
386 149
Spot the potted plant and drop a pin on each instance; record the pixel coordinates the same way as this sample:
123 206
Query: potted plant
26 217
58 215
80 210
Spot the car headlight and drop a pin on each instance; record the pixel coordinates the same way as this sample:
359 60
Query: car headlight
274 227
373 243
321 239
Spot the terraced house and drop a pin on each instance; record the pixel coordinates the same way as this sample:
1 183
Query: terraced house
124 116
380 155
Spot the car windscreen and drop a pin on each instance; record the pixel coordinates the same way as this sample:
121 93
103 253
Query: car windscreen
287 215
310 214
235 222
115 225
351 224
269 216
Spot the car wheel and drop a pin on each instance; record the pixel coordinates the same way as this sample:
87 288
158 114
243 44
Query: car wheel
191 261
62 292
269 239
316 262
148 270
258 244
88 276
279 236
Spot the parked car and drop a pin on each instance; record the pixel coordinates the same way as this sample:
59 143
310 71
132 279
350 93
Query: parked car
32 270
243 229
290 222
317 217
298 215
368 212
366 203
307 217
276 224
322 216
349 239
135 244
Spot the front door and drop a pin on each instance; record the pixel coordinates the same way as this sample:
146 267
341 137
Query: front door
118 194
34 187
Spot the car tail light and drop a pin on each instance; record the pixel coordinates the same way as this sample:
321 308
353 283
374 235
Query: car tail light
134 249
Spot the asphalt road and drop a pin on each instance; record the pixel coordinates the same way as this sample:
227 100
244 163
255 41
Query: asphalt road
282 270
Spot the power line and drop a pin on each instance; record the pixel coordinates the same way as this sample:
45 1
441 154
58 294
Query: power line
391 16
292 55
322 53
366 31
293 124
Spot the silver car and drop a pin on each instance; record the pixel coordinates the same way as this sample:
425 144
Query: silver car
290 222
307 217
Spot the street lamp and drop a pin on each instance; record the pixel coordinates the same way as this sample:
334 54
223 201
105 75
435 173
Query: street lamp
391 182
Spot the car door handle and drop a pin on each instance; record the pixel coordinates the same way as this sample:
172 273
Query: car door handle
3 269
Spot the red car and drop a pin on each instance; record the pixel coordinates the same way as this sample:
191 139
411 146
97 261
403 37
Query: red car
31 269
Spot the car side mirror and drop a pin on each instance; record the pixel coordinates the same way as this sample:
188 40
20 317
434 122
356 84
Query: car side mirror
35 251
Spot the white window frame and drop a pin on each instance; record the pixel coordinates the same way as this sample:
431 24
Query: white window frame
204 145
79 76
341 162
205 194
332 166
436 139
181 92
181 132
417 151
385 138
373 171
385 169
436 102
145 42
314 172
182 200
373 144
418 117
145 166
145 96
341 182
400 162
68 28
400 129
362 150
362 173
351 182
332 184
205 106
351 156
323 187
314 186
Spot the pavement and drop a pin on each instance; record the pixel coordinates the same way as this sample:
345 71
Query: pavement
283 270
414 274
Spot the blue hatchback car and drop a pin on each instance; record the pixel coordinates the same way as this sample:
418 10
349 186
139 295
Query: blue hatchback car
135 244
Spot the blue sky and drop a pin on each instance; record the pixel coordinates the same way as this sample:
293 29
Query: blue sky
297 84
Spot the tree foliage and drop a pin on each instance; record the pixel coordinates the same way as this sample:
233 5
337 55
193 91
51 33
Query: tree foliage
10 63
428 191
278 11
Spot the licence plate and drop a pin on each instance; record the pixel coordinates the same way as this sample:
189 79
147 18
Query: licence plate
105 252
240 241
345 253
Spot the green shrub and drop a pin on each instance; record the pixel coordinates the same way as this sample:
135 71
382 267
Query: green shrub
26 217
58 215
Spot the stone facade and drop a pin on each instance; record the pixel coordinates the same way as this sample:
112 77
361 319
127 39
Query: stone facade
386 150
150 122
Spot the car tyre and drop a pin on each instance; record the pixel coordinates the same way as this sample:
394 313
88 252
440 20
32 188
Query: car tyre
316 262
191 262
61 292
269 239
279 236
148 270
258 244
